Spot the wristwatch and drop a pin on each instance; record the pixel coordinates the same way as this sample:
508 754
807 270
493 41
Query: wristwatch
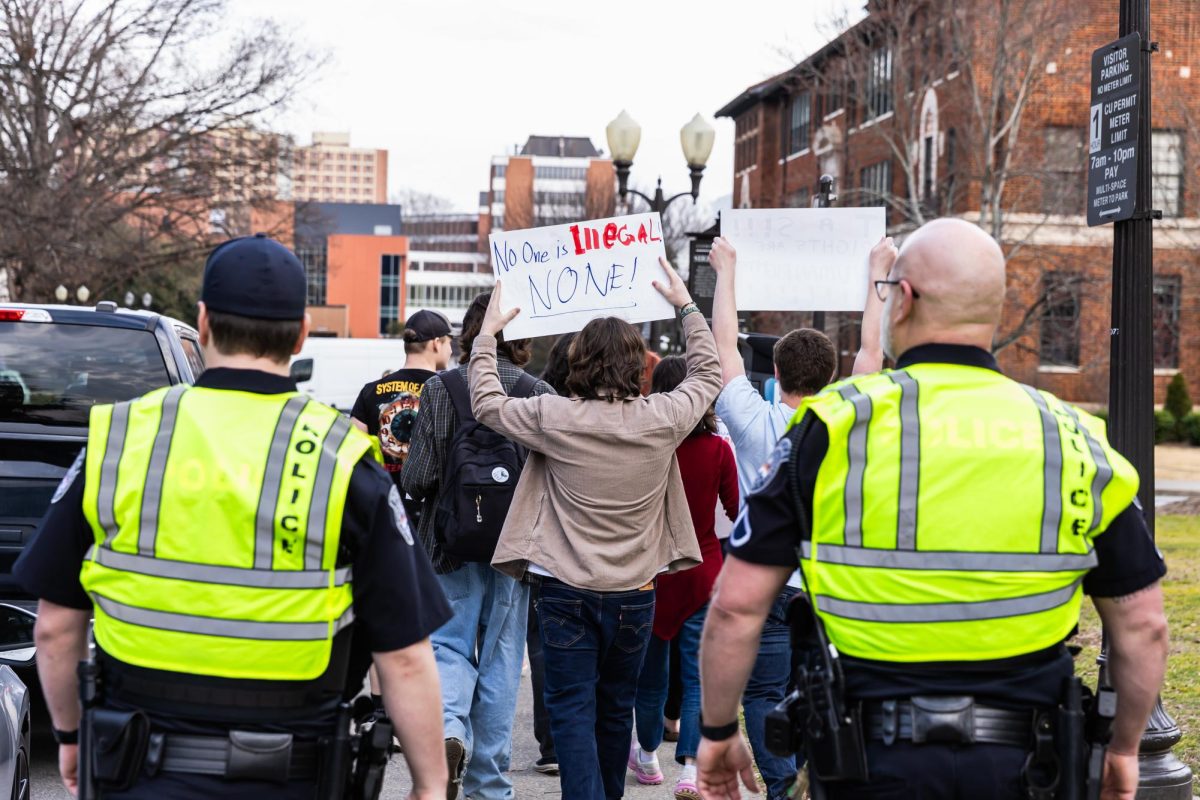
718 733
66 737
688 308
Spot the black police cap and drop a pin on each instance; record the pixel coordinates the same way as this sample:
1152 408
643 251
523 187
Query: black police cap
254 276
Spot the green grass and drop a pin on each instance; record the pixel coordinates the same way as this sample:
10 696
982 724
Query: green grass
1179 540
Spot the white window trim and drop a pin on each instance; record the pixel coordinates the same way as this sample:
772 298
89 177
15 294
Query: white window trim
834 114
1059 370
1168 372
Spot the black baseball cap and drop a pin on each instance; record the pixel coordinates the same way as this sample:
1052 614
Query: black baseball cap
425 325
254 276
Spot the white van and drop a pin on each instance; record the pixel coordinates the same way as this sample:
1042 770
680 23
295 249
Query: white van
341 367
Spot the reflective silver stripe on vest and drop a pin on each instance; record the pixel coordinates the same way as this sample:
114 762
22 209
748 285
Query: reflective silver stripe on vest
1053 466
211 573
268 499
910 461
318 508
213 626
1104 471
947 612
107 491
952 561
856 461
153 487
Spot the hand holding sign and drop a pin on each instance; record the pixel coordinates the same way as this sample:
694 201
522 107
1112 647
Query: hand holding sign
675 292
495 318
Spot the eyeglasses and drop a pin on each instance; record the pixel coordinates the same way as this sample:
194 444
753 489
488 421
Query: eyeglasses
881 290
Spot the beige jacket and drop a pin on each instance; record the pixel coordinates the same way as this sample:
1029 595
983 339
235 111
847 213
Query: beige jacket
600 504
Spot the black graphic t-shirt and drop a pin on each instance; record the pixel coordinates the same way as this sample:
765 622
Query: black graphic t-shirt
388 407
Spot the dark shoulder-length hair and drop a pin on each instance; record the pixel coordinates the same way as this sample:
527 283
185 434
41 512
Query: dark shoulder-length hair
558 363
606 361
518 352
667 376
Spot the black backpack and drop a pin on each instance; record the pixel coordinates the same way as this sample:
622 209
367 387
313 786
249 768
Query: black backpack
482 469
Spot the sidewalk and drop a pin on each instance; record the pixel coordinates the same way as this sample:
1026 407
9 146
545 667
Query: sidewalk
530 784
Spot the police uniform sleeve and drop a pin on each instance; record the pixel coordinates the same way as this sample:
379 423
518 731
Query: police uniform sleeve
397 598
769 531
50 566
1127 559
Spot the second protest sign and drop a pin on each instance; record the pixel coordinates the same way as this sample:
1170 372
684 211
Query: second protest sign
564 276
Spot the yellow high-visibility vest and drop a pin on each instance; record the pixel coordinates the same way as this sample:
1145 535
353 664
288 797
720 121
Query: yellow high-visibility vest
954 513
217 517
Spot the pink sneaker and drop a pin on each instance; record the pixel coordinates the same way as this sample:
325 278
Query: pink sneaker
685 789
648 773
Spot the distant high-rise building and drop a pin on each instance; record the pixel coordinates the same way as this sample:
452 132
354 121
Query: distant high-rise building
447 263
331 171
552 180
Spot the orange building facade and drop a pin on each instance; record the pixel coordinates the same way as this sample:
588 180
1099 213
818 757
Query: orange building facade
366 274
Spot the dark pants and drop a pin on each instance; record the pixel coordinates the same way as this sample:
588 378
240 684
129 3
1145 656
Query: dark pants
537 678
765 690
674 707
594 645
904 771
204 787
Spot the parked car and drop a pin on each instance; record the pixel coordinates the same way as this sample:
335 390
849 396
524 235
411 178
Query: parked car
16 651
56 362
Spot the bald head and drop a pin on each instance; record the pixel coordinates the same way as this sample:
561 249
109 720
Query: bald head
958 272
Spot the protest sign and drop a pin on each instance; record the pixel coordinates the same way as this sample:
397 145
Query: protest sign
563 276
802 259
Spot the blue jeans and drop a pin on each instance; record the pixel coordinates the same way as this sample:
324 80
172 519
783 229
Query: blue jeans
652 690
479 653
593 644
766 689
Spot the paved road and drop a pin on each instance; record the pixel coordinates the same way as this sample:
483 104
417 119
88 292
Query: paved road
528 784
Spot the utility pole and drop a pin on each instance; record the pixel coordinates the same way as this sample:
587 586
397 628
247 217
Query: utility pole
824 199
1131 384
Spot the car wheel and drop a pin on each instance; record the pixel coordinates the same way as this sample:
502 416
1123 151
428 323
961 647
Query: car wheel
20 788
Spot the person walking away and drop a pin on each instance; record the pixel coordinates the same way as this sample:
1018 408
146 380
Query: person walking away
388 408
599 512
229 537
480 651
681 599
946 577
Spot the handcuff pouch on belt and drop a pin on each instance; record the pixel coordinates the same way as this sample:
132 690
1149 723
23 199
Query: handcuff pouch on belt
118 746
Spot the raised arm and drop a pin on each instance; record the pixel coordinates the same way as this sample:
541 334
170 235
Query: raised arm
723 259
517 418
870 353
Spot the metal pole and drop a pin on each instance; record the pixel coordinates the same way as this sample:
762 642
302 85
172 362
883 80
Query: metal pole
1131 388
824 199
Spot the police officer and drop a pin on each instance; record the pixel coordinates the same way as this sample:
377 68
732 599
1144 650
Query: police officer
245 557
948 520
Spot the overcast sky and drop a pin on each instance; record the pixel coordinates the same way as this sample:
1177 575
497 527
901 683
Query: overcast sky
444 85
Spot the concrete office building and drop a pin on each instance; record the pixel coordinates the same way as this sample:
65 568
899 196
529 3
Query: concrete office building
447 263
331 171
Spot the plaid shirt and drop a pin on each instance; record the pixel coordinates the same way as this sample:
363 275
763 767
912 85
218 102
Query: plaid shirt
426 462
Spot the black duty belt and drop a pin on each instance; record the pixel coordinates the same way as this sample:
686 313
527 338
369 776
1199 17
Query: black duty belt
239 755
947 720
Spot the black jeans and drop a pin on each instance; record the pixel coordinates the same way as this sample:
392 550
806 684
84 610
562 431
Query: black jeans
594 644
905 771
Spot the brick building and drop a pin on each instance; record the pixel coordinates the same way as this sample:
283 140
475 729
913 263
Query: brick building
551 180
901 109
331 171
447 263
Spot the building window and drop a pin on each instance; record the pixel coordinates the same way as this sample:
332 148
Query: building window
1166 322
1060 320
389 292
1064 186
835 95
876 184
879 83
1166 148
316 272
561 173
497 195
800 132
498 170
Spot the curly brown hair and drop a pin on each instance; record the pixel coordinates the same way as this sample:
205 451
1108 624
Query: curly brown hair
606 360
518 352
669 373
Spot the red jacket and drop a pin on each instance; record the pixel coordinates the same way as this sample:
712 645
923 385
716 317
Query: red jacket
709 473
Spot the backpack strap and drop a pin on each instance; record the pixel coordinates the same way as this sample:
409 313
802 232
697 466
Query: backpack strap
524 386
459 393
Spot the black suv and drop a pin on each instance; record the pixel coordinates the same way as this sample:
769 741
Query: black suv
56 362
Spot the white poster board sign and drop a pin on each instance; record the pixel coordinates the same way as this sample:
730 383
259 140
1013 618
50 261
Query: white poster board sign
802 259
563 276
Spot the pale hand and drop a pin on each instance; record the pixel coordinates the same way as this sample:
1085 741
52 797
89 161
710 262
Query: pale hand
494 319
882 258
719 764
68 767
722 258
675 292
1120 777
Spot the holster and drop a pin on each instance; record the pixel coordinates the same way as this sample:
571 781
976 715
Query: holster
118 746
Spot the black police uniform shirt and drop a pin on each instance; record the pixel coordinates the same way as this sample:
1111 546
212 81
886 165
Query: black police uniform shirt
389 408
397 599
768 533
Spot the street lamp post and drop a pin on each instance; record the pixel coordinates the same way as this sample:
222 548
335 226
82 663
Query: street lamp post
624 135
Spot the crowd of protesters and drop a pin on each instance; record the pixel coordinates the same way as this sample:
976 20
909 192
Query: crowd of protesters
607 554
